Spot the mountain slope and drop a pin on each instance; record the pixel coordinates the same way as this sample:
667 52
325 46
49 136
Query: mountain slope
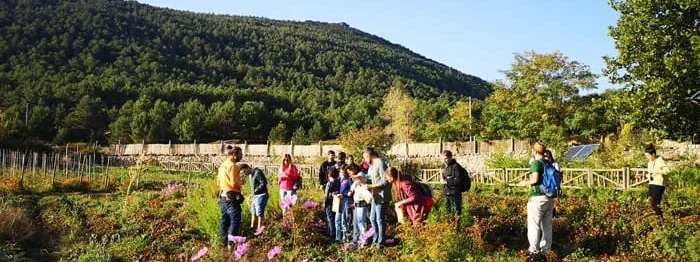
59 57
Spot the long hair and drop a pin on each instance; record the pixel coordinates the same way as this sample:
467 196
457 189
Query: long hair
288 157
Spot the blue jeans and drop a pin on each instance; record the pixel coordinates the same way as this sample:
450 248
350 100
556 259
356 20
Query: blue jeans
284 193
342 220
330 219
454 202
259 203
230 218
359 221
377 217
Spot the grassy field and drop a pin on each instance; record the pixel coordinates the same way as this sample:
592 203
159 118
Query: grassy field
163 218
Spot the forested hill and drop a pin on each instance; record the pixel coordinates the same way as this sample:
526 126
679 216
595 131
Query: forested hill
110 69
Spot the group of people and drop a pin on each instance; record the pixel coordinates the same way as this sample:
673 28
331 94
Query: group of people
361 192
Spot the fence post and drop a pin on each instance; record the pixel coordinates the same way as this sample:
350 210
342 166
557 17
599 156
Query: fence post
119 143
170 147
268 148
441 147
291 147
590 177
221 148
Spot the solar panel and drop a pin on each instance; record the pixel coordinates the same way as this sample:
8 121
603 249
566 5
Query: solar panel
580 152
572 152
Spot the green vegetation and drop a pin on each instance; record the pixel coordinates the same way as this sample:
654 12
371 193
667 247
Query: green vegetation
81 68
165 218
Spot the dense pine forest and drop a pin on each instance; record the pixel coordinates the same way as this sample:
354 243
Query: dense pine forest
119 70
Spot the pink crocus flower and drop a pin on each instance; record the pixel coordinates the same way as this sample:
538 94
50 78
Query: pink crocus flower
309 204
182 256
236 239
288 201
259 231
346 247
274 252
200 254
389 241
364 237
305 260
241 250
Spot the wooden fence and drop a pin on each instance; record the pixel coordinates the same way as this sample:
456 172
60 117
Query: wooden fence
80 165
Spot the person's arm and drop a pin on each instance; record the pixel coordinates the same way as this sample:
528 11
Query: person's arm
410 192
259 181
294 173
453 180
534 174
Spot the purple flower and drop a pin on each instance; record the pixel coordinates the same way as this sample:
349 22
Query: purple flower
259 231
240 251
305 260
346 247
364 237
274 252
288 201
200 254
309 204
181 256
236 239
389 241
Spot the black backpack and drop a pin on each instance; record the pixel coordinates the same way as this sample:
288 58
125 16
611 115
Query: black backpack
424 189
465 183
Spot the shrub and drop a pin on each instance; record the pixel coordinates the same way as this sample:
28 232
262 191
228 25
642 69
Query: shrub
15 225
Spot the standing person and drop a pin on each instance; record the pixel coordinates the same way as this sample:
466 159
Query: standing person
381 194
539 206
230 197
332 187
342 219
451 183
323 171
341 159
417 206
258 186
359 221
658 173
287 176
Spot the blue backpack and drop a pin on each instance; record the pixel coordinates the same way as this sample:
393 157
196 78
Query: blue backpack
551 180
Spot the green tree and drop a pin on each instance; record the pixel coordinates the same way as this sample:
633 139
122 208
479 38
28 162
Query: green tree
400 111
355 141
316 132
278 134
87 120
189 121
299 137
120 129
221 119
530 103
659 61
161 115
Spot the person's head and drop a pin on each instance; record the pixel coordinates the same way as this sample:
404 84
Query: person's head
246 169
549 156
330 156
287 160
369 154
538 149
351 169
344 171
392 175
234 153
446 156
650 152
341 156
333 174
351 159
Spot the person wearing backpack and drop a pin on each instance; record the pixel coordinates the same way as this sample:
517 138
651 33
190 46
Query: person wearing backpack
412 199
454 181
539 206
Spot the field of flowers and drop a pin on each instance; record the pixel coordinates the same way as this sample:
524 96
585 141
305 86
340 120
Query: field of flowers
165 220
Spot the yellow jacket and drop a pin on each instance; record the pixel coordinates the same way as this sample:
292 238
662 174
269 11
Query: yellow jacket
229 177
658 172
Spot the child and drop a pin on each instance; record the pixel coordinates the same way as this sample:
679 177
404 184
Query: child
332 187
359 222
342 218
258 184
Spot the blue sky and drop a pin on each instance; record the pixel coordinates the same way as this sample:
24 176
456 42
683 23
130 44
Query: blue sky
475 37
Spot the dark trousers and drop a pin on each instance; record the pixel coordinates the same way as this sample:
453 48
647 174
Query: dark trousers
454 204
230 219
655 193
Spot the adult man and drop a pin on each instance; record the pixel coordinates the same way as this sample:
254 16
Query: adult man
230 197
381 194
451 182
323 171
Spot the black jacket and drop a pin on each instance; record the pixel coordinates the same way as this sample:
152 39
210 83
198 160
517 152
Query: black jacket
258 182
331 187
452 176
323 172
